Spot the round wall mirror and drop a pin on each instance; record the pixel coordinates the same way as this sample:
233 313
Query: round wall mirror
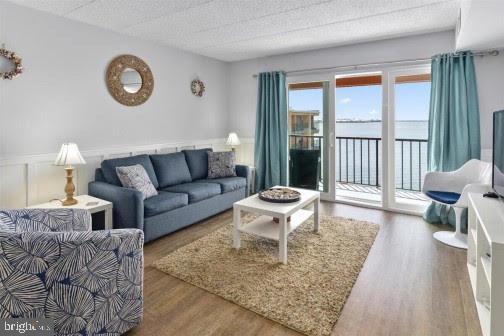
6 65
10 64
129 80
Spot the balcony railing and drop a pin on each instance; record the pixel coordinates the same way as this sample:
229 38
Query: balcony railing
364 160
406 149
358 159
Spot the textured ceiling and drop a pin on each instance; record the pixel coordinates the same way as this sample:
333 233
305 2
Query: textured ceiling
232 30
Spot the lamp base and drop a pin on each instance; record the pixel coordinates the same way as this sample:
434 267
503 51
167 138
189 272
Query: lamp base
69 188
69 201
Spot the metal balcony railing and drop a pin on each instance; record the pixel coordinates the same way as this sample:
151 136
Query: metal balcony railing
358 159
363 159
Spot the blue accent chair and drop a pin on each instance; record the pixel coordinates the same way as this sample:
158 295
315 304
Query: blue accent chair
186 194
52 265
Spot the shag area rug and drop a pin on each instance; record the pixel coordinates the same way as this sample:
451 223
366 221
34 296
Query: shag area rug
306 295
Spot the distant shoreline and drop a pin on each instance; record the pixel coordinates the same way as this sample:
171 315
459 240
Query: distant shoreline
343 121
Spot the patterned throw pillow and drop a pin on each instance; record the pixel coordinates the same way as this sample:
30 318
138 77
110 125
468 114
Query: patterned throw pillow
136 177
221 164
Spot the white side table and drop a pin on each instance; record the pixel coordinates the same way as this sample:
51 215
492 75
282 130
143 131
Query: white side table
83 203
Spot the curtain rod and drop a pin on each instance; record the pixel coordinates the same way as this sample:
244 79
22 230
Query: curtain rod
493 52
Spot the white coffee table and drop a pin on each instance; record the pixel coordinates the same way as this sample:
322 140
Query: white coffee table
265 227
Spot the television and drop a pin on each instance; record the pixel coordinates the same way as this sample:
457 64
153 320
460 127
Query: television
498 153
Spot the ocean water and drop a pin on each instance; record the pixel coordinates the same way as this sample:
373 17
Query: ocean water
356 160
404 129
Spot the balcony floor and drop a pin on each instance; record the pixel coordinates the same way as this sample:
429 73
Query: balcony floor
371 192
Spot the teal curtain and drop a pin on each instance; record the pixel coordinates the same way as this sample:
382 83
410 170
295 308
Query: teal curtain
454 123
270 152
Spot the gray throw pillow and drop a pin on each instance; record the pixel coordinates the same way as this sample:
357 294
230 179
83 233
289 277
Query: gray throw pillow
221 164
136 177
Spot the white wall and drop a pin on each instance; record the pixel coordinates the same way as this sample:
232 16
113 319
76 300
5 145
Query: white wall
481 25
243 87
490 79
62 94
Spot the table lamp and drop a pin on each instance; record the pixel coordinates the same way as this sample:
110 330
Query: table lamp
233 140
69 155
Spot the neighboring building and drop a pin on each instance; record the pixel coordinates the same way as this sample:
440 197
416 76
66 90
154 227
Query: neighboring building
302 127
303 122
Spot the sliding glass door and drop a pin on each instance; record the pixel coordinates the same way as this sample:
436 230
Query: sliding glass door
361 136
311 131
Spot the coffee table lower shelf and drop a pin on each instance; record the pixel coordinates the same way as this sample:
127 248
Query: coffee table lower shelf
265 227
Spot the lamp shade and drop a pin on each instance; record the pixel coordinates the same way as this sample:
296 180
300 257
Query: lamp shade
233 139
69 155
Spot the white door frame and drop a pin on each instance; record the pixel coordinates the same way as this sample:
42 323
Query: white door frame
320 77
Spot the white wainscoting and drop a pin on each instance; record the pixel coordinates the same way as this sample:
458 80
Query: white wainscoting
33 179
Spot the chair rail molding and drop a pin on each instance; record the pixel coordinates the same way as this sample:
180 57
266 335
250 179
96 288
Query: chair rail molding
31 179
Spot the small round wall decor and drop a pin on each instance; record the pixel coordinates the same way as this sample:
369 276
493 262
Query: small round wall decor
197 88
16 64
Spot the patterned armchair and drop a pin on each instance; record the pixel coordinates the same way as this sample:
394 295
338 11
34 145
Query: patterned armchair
52 265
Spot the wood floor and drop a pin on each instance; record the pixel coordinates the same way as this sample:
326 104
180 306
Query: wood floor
409 285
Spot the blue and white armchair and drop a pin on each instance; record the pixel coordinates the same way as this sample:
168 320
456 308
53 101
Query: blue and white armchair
452 189
52 265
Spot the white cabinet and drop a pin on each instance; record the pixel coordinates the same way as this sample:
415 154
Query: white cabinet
485 261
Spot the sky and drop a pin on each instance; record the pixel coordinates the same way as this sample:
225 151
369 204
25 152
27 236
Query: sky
364 102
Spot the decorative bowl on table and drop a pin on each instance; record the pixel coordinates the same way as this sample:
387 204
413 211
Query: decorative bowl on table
280 195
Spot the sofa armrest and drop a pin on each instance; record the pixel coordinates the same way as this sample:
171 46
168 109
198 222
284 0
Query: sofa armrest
246 172
128 204
46 273
46 220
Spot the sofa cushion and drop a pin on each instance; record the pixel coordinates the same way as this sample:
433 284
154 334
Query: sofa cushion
197 191
171 169
197 160
109 168
164 201
136 177
228 184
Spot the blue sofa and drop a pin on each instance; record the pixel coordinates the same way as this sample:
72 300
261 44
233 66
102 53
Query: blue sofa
185 197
